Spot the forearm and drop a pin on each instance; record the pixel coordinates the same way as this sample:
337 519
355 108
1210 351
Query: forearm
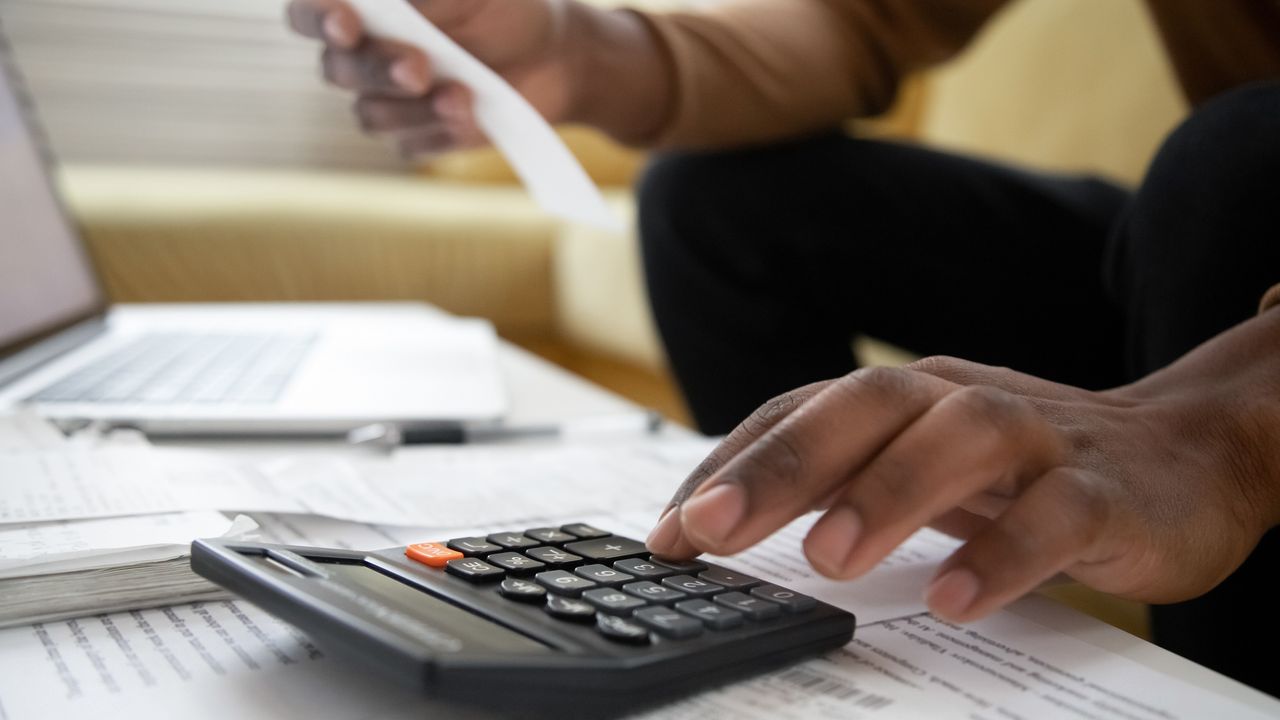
749 71
620 73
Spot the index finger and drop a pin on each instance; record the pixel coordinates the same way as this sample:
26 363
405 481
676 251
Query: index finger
331 21
804 458
666 539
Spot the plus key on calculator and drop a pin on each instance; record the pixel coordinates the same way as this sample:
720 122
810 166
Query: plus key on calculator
547 614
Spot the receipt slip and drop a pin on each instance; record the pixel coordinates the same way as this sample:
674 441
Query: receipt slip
552 175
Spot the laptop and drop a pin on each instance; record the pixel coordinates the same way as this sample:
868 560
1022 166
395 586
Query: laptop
214 368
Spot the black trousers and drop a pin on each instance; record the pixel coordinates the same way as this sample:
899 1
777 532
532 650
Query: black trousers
763 264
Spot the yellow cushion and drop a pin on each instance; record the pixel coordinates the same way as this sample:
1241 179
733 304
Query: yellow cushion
203 234
1076 86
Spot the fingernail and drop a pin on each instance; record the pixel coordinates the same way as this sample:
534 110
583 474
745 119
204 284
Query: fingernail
832 539
951 594
336 31
405 74
666 532
715 513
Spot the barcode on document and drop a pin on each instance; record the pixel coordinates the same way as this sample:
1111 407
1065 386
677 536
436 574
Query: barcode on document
813 682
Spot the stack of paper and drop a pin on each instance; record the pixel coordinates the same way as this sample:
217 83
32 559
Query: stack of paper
50 571
69 568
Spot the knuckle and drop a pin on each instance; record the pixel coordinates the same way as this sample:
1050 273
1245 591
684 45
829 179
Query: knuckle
777 407
940 365
888 384
993 410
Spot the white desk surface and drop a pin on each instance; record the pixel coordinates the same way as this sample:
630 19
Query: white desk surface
542 393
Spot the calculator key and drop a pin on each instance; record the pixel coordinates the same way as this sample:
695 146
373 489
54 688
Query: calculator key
716 617
563 583
512 540
613 602
553 556
728 578
669 623
515 562
754 608
603 574
789 599
522 590
610 548
473 546
433 554
688 567
473 569
692 585
642 568
623 631
550 536
654 592
584 531
569 608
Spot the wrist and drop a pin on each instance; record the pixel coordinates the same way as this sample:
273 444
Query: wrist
617 73
1227 393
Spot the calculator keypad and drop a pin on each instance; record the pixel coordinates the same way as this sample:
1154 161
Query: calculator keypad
691 585
474 570
563 583
754 608
687 567
522 590
550 536
603 574
569 609
584 531
716 617
643 568
553 556
512 540
621 630
609 548
669 623
515 562
654 592
613 601
581 573
473 546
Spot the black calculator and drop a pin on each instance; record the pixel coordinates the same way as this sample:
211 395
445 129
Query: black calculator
542 619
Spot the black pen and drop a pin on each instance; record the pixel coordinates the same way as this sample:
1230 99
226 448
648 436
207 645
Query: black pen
391 435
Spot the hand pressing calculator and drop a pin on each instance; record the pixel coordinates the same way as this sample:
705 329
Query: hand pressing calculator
567 620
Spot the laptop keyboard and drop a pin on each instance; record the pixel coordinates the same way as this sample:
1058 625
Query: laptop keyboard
174 367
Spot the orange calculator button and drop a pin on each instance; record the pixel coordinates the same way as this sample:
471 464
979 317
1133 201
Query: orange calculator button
433 554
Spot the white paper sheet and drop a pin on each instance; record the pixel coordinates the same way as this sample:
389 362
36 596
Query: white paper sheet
219 660
478 485
469 485
552 175
79 482
1008 666
68 546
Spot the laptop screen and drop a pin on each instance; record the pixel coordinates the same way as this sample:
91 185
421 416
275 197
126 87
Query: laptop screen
46 279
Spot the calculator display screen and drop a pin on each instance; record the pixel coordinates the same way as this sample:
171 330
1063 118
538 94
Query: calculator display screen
475 631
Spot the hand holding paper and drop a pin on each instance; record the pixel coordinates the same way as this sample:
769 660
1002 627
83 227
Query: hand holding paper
553 176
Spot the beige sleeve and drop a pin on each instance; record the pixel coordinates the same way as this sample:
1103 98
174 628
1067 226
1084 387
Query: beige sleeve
747 71
1270 300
